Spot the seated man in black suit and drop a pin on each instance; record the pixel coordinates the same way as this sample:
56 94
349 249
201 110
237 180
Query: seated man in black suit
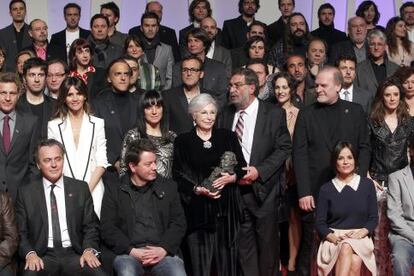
19 137
167 35
58 228
176 100
64 38
214 79
349 92
142 219
234 30
34 101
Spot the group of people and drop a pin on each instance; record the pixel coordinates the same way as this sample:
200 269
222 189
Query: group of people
222 152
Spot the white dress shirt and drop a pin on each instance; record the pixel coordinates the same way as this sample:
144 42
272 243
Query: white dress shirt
59 191
210 53
350 95
249 120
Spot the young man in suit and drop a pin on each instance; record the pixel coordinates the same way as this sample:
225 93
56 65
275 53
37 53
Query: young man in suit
266 144
58 228
143 222
167 35
111 11
234 30
15 37
349 92
216 51
214 79
64 38
400 211
18 137
34 101
276 30
318 129
176 100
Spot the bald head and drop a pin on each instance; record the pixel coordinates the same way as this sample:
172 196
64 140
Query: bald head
155 7
210 26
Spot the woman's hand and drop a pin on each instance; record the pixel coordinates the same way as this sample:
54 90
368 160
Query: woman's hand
357 234
205 192
331 237
225 179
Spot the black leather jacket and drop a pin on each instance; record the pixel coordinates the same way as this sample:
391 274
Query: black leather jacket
389 150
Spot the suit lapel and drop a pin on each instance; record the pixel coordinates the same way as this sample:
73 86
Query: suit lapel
85 145
258 130
18 128
371 75
39 198
322 127
69 197
113 114
182 99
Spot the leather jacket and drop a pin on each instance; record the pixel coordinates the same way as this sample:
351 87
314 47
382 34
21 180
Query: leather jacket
8 229
389 150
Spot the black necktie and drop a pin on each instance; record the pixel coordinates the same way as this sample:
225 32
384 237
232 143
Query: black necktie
57 239
6 134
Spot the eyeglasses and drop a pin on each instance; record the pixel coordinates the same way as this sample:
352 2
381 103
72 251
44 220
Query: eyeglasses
191 70
236 85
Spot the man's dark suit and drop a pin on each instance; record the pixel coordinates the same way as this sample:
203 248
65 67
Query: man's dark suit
176 105
104 107
32 217
59 40
33 220
17 166
345 47
47 110
215 78
271 147
365 76
362 97
234 32
9 44
167 36
275 31
52 52
313 144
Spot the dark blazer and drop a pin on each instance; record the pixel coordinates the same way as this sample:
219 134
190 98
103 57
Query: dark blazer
176 106
48 109
17 166
59 40
362 97
275 31
33 222
223 55
52 52
345 47
234 32
271 146
9 44
214 78
103 107
167 36
313 146
96 83
365 76
118 221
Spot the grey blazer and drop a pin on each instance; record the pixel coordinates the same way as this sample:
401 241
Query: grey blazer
400 204
223 55
9 44
164 61
366 79
362 97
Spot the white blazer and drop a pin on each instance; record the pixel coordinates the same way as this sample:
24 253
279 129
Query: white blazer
91 152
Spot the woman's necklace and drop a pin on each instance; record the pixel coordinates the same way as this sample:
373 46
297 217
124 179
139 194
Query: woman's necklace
206 142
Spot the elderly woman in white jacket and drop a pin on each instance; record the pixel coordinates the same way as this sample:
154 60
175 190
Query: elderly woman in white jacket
83 137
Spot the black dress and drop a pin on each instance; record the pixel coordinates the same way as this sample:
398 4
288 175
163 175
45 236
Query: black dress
212 223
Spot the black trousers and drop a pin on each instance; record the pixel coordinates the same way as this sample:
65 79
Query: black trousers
64 261
308 246
259 237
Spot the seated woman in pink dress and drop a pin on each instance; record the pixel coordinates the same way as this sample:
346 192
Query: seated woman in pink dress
346 216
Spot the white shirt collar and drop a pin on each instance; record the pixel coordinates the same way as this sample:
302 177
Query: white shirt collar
58 183
354 183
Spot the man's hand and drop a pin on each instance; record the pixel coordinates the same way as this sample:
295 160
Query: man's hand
34 262
307 203
153 255
90 259
251 176
137 253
